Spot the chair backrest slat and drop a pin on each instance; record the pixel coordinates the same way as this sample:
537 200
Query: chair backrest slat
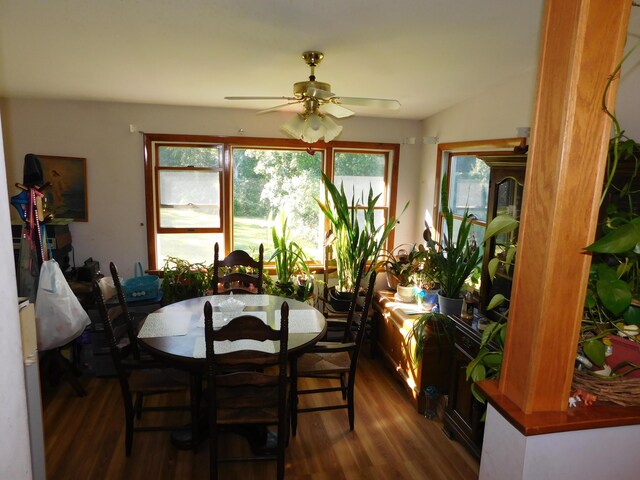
237 259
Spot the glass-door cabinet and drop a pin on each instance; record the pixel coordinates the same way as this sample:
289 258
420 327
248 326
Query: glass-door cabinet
506 184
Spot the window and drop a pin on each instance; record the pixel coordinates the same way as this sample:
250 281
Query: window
230 190
267 181
468 180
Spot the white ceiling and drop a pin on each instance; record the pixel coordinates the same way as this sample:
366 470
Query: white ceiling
428 54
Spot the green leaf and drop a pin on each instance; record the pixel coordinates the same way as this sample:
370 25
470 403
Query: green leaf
511 253
595 351
496 300
620 240
492 268
615 295
501 224
479 373
632 316
493 360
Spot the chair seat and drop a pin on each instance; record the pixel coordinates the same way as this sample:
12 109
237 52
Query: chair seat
161 379
318 363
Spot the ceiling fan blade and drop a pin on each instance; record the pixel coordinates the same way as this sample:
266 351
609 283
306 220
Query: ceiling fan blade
260 98
368 102
319 93
277 107
336 110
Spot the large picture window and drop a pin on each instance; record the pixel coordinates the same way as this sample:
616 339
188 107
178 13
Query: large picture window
201 190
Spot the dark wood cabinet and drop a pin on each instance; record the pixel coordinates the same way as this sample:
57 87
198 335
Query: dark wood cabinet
463 413
506 182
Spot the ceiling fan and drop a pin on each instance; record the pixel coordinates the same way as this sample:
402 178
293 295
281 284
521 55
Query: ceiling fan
318 101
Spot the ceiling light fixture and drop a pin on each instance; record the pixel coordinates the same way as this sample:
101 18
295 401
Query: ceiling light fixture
311 125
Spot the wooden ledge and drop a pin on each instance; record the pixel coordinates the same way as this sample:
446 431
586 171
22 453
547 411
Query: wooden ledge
598 415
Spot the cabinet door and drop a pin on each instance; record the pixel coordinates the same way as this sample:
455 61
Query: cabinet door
505 197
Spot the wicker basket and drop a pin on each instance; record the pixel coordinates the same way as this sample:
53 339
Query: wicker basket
621 391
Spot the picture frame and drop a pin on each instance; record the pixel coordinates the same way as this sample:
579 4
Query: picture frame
67 195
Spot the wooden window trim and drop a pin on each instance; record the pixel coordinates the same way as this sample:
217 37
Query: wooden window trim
390 150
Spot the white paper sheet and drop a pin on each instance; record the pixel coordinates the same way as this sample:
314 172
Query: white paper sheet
301 321
164 325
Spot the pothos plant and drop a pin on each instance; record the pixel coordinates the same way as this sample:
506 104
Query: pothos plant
487 364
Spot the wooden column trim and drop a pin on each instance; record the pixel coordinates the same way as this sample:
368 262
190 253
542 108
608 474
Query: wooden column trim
581 44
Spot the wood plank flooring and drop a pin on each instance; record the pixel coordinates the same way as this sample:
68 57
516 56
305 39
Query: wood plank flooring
84 439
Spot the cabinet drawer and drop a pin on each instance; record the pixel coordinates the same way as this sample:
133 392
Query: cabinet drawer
466 343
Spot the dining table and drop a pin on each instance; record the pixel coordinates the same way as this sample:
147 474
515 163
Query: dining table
174 334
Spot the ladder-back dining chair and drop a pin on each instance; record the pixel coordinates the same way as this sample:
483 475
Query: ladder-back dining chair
238 272
242 386
333 363
136 384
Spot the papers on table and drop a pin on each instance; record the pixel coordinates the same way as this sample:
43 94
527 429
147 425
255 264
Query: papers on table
222 318
301 321
164 325
415 310
248 300
199 350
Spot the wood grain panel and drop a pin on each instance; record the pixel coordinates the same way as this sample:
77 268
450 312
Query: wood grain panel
582 42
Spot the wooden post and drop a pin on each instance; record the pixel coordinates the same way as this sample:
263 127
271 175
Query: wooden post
582 42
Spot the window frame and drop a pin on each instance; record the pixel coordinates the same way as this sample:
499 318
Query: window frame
158 169
390 150
495 147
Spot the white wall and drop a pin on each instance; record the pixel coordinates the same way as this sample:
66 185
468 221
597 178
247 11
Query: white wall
15 455
496 114
100 133
578 455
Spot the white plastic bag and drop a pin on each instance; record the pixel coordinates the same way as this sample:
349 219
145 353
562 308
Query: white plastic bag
59 316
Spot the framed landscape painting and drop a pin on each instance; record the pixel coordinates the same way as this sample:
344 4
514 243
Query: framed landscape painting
67 194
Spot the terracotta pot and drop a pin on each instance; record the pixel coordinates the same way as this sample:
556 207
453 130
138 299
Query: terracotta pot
624 350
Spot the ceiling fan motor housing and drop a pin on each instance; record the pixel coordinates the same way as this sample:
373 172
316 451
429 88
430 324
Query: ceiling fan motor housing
300 88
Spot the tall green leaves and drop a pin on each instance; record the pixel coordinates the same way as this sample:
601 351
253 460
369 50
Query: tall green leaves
455 256
352 240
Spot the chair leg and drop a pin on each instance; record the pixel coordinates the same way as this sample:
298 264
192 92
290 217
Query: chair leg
343 386
128 440
195 393
350 407
293 370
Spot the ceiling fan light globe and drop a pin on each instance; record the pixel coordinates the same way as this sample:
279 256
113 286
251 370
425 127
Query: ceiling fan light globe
332 129
314 121
294 126
311 134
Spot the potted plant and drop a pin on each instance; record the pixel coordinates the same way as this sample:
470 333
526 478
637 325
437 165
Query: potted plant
455 256
409 272
432 324
350 238
612 306
182 279
294 279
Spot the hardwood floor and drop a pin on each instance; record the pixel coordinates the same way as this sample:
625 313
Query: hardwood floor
84 439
